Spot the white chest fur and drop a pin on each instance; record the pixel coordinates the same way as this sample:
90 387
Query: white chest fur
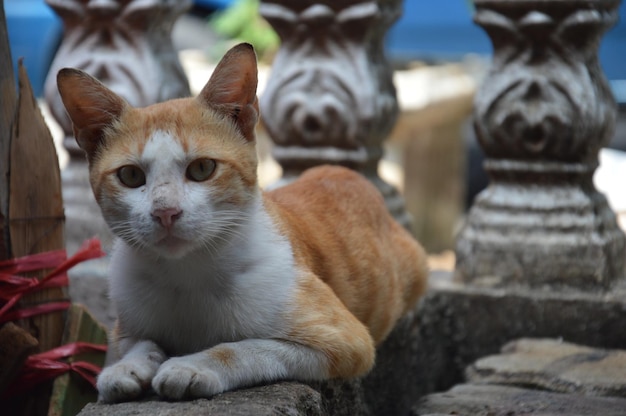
241 290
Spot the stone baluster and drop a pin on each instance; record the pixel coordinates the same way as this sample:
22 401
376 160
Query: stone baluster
127 45
330 96
541 116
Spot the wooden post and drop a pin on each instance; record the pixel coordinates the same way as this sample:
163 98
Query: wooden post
15 343
31 207
35 224
8 107
35 204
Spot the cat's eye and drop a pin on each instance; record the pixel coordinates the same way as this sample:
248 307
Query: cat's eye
200 170
131 176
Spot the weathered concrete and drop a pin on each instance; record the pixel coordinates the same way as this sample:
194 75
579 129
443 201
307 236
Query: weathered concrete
515 382
549 364
458 324
289 399
541 118
332 99
487 400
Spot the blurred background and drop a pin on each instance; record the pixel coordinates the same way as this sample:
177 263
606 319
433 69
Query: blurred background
440 58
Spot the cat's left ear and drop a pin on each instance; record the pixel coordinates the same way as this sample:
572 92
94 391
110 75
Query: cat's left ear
231 90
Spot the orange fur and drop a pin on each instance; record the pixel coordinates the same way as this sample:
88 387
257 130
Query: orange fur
348 270
345 240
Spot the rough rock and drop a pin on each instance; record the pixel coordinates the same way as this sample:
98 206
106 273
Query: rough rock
488 400
288 399
553 365
458 324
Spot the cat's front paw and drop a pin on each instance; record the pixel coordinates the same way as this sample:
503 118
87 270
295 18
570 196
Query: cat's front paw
124 381
178 378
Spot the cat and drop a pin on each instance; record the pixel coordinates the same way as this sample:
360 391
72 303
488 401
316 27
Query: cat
217 284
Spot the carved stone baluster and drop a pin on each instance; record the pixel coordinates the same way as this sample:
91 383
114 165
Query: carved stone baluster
330 97
542 115
127 45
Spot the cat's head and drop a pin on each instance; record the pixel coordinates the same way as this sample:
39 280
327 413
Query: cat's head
176 176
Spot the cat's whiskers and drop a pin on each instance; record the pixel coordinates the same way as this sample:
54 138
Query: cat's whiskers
126 232
221 230
227 224
218 237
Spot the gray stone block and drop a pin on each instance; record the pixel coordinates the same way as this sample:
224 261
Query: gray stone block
288 399
488 400
556 366
458 324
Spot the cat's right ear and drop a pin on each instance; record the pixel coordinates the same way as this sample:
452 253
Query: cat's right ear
231 90
91 106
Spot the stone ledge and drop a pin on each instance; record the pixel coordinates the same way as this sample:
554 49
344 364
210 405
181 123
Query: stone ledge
458 324
556 366
288 398
487 400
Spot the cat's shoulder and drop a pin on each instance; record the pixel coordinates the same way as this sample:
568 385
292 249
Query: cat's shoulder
331 174
331 171
328 199
328 182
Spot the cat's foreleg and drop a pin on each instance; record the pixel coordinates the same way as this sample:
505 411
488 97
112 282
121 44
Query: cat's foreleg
323 340
238 364
128 378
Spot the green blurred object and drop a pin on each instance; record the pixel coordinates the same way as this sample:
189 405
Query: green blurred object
242 22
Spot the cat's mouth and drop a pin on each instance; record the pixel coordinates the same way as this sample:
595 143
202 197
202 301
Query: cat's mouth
172 245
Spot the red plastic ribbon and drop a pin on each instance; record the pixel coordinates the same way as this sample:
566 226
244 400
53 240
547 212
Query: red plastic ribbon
47 365
35 310
13 287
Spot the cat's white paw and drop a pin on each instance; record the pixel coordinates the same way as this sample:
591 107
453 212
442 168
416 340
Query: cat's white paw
178 379
124 381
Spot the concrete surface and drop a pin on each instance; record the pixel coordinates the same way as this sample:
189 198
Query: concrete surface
550 364
289 399
484 400
458 324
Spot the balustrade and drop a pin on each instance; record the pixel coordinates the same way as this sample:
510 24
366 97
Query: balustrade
330 97
541 116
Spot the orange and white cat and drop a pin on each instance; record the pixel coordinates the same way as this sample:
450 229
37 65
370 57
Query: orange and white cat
217 284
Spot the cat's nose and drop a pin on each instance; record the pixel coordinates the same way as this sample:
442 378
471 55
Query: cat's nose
166 216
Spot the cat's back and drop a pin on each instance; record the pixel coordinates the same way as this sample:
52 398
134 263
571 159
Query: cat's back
331 193
339 228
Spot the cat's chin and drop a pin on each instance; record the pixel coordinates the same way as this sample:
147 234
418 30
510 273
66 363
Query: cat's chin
173 247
